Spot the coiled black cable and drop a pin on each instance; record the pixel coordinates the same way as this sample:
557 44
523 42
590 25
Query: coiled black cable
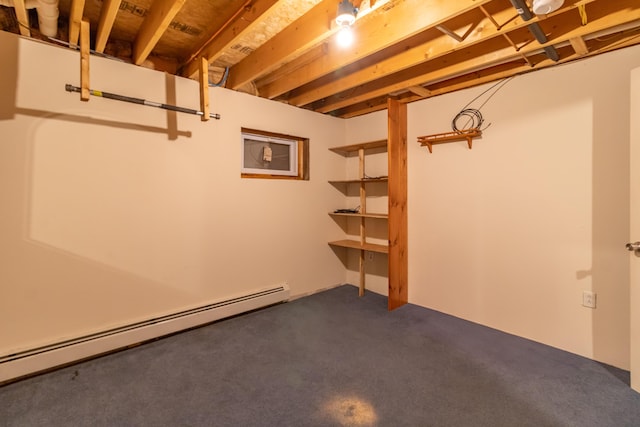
473 115
474 120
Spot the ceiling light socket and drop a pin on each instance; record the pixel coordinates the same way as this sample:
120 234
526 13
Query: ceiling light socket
544 7
346 14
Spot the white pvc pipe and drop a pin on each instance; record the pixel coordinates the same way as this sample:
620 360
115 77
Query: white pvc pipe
47 14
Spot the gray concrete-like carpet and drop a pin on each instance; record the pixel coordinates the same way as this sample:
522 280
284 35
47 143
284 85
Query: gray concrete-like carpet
330 359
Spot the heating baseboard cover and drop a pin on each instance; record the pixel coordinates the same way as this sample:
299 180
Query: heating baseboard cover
35 360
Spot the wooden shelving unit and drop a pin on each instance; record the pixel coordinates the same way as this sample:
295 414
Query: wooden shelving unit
361 150
396 185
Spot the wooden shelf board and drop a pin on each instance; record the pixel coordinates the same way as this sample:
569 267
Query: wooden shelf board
346 149
356 181
354 244
360 215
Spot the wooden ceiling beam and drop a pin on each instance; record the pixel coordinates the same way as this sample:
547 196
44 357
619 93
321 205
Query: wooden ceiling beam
23 18
579 46
155 24
105 24
485 76
417 55
308 30
391 27
309 56
248 17
311 29
420 91
485 30
458 66
443 29
75 19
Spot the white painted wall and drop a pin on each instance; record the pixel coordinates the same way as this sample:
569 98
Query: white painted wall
115 212
510 233
634 232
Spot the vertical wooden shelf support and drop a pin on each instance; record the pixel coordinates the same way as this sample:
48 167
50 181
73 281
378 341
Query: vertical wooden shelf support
363 209
398 224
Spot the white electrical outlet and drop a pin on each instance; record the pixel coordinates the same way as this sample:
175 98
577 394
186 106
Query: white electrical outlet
589 299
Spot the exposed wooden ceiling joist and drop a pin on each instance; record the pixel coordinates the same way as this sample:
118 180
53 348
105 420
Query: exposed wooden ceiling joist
155 24
564 30
107 18
23 18
75 18
239 24
391 27
284 49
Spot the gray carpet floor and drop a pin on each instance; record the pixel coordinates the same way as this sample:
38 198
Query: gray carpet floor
330 359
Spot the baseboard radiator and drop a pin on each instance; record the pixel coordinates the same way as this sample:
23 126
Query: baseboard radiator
31 361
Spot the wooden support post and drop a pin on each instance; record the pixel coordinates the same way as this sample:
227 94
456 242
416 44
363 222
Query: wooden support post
363 209
84 60
204 88
398 224
361 265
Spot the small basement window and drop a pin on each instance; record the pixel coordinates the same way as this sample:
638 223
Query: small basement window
272 155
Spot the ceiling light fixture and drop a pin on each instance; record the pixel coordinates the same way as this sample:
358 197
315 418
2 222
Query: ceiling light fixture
345 36
346 14
544 7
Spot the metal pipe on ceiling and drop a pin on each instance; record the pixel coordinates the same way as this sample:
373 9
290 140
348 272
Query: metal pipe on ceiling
535 29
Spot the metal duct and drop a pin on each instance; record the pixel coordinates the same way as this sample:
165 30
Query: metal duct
535 29
47 14
522 9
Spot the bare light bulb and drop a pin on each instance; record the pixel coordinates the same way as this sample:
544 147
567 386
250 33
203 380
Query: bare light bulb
345 37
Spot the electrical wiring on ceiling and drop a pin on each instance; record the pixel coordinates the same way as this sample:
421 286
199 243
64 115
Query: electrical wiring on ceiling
473 116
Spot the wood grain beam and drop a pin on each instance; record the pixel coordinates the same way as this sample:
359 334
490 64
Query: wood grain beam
489 75
442 45
398 224
309 56
85 42
307 31
23 18
579 46
204 89
155 24
105 24
243 22
602 19
416 55
420 90
443 29
391 27
75 18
